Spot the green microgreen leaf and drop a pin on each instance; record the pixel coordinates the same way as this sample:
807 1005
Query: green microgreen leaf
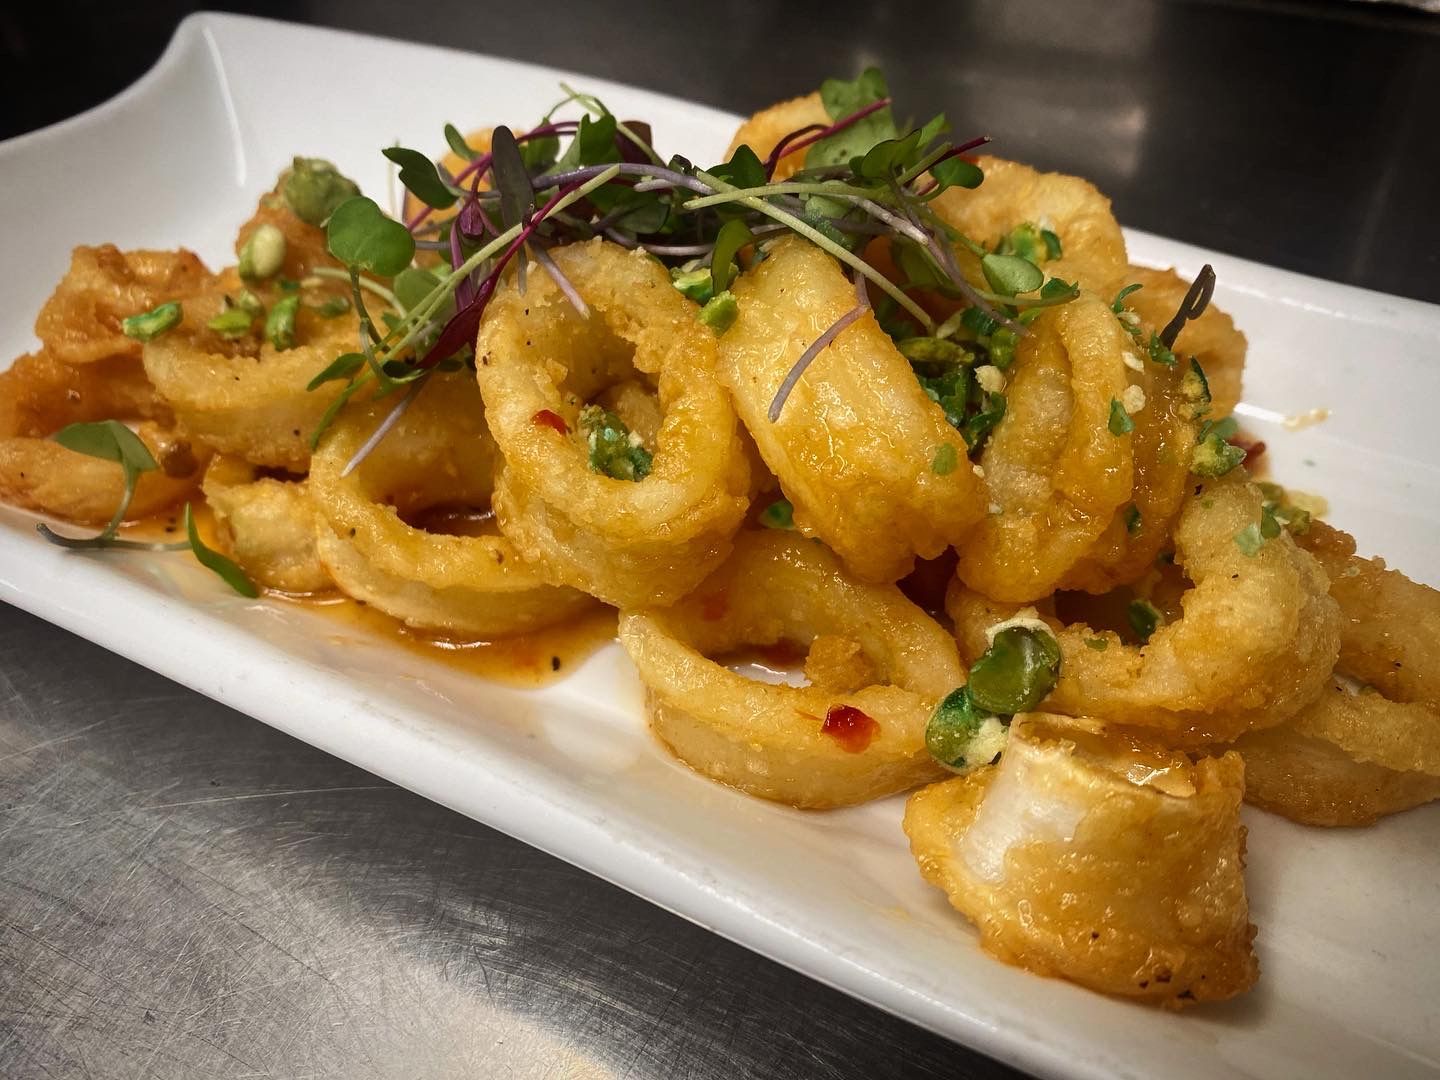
957 172
342 367
517 194
743 170
421 178
593 144
149 325
458 145
733 236
1055 289
1120 422
1016 672
314 188
614 451
413 285
108 440
539 153
280 323
211 559
1053 248
841 99
1144 619
945 460
780 514
1010 275
363 238
1118 304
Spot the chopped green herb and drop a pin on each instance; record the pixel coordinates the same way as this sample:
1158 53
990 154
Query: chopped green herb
314 189
332 308
1158 351
614 451
1133 521
1118 304
151 324
933 350
1016 672
979 425
1144 618
1099 644
945 460
280 323
780 514
960 735
1250 540
263 254
1120 422
1195 388
720 312
951 390
211 559
1214 456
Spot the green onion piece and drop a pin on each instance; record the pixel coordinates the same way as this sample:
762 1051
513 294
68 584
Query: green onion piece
960 735
933 350
694 285
1144 618
1016 672
280 323
1120 422
314 188
1001 347
249 302
720 312
151 324
232 322
332 308
614 451
1195 388
945 460
263 254
1099 644
780 514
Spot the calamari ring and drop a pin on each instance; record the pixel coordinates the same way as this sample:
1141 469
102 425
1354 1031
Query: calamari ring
438 454
1313 780
763 131
1069 867
250 403
855 445
1013 194
1256 641
42 475
80 322
771 740
1163 442
267 525
626 541
1057 474
1212 338
1390 636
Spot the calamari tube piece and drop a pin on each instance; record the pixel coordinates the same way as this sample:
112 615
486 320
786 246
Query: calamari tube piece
1097 858
855 446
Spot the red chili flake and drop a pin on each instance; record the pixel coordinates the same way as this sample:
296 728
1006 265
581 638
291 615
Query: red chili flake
782 654
850 727
552 420
1253 447
714 606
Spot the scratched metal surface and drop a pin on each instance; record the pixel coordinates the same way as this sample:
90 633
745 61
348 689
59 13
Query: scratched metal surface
187 893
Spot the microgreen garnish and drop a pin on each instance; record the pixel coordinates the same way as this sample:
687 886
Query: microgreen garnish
1144 619
421 177
733 236
1120 422
363 238
1016 672
149 325
263 254
108 440
211 559
614 450
314 188
780 514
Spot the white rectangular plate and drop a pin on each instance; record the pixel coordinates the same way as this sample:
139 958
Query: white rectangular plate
1349 933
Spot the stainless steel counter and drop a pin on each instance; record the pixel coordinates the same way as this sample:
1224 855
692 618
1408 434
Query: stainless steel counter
187 893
